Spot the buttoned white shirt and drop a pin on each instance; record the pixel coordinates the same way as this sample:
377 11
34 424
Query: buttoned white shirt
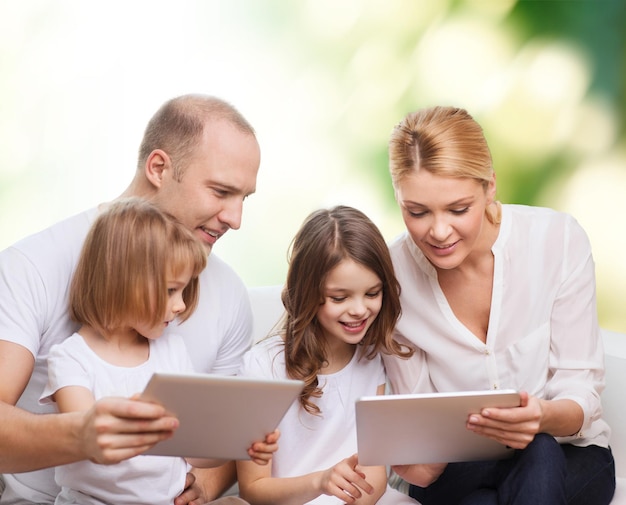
543 335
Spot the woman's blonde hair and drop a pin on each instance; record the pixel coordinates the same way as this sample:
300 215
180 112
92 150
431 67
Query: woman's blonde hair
445 141
325 239
121 277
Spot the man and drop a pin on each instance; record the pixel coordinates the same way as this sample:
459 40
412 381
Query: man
198 160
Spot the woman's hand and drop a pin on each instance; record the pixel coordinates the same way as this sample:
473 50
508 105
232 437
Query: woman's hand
517 426
514 427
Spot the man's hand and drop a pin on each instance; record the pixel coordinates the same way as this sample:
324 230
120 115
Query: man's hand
191 493
115 429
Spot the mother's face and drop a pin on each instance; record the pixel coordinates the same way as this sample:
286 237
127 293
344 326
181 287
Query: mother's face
444 215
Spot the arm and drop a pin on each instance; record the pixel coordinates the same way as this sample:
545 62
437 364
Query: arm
576 372
421 475
113 429
347 480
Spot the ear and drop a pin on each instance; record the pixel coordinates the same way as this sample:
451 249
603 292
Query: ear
157 163
491 189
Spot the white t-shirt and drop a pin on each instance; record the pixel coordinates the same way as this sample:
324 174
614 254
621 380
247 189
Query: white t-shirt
35 274
310 443
543 334
142 479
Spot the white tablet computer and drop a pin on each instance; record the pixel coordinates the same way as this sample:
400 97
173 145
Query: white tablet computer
427 428
220 416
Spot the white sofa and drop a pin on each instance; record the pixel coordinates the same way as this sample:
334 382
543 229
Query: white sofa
267 309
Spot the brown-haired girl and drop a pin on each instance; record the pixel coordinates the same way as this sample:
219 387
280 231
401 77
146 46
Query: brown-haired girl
341 304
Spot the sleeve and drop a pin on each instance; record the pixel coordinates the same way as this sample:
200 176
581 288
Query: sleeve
265 360
576 354
408 375
228 305
64 370
237 340
380 370
22 301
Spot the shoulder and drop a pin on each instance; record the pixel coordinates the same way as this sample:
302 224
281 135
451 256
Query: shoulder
398 244
73 351
542 222
265 359
400 250
222 292
220 276
535 215
52 248
72 344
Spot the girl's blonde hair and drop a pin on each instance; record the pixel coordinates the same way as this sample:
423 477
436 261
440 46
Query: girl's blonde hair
326 238
121 277
445 141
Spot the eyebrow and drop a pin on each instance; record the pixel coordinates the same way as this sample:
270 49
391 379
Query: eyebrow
228 187
346 290
463 200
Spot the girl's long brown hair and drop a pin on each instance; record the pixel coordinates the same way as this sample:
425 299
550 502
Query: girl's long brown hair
327 237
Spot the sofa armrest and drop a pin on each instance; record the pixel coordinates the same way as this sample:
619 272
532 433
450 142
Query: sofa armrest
614 407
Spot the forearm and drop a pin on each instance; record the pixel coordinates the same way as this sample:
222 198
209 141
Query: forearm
206 462
282 491
34 441
421 475
305 488
560 418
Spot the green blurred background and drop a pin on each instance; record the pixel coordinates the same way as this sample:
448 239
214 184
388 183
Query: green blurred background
323 82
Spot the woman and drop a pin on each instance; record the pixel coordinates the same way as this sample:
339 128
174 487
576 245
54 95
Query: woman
496 296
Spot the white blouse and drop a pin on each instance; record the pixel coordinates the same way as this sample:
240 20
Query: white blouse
543 334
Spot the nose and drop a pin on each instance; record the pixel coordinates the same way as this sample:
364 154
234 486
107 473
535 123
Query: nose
357 307
179 304
231 213
440 228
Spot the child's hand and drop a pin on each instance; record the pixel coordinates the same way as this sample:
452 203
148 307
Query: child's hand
261 452
345 481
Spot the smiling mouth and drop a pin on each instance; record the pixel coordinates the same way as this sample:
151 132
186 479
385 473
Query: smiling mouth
213 234
359 325
444 247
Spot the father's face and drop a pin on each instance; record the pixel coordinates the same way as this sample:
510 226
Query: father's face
219 175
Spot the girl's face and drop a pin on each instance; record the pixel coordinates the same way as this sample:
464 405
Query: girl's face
353 296
175 304
444 215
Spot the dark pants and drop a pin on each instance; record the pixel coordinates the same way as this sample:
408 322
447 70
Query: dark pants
543 473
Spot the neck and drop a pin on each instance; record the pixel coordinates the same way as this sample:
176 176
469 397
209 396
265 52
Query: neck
121 348
337 357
